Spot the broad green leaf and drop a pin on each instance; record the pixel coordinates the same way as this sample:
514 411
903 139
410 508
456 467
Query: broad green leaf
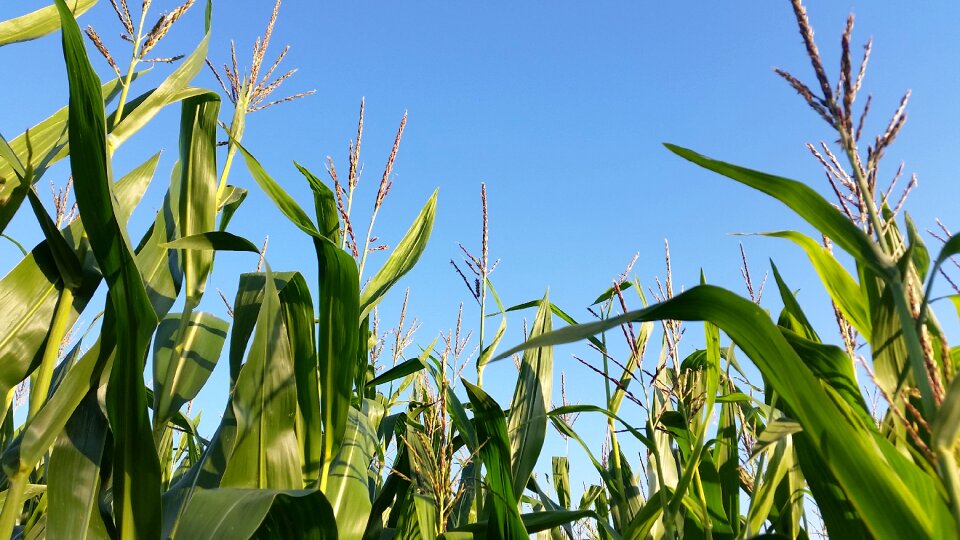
266 454
198 186
231 513
178 379
561 480
403 369
39 23
527 423
920 255
337 338
893 498
803 200
402 258
502 501
779 451
73 473
844 291
296 304
347 485
30 289
213 241
129 318
325 205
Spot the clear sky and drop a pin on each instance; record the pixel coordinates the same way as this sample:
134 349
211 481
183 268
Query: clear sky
560 107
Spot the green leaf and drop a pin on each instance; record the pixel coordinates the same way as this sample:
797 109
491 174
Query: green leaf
73 473
232 199
178 380
561 480
894 498
920 255
527 424
296 305
198 186
266 454
402 258
338 335
213 241
129 319
347 484
407 367
231 513
38 23
325 204
842 288
174 88
281 199
40 146
803 200
502 501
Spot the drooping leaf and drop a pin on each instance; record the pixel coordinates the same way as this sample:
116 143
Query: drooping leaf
877 486
38 23
231 513
842 288
803 200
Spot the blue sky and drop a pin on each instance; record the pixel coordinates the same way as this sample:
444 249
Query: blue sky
560 107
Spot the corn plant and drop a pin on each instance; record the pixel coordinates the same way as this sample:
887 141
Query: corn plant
316 440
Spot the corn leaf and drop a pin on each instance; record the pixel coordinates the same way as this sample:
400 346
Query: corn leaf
38 23
347 484
179 380
73 473
894 498
296 304
337 338
842 288
198 186
527 423
402 258
129 319
266 454
803 200
502 502
230 513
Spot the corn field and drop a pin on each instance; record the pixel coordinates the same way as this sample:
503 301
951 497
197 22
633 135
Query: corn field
314 442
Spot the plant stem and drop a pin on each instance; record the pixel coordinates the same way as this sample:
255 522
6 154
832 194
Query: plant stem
892 279
483 310
13 505
61 318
